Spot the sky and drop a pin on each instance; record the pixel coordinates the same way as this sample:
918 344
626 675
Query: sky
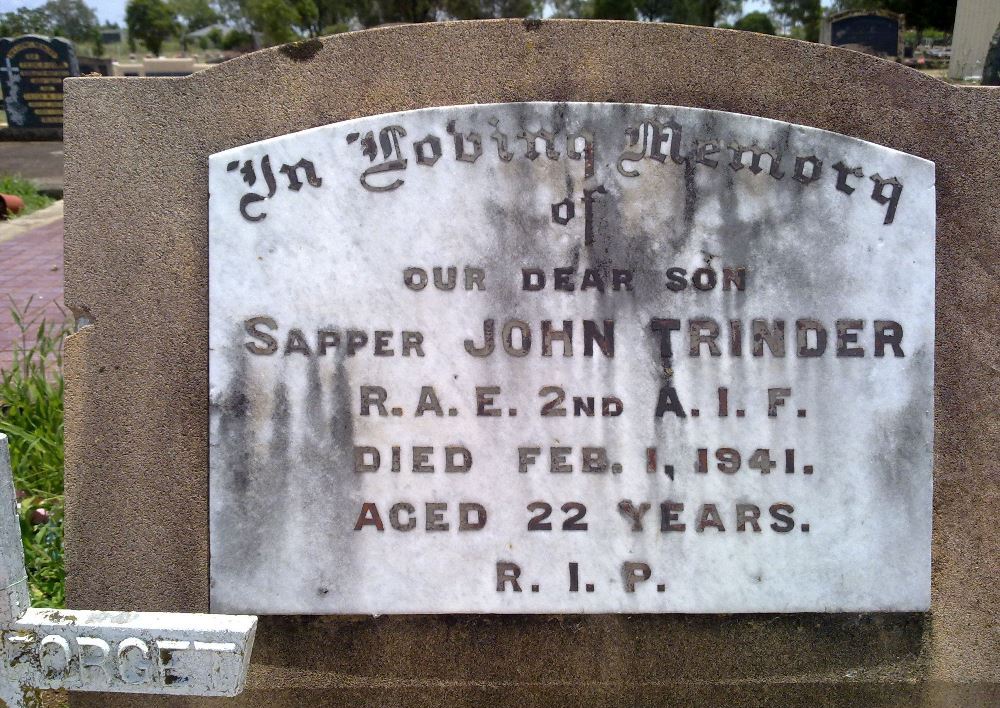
114 10
107 10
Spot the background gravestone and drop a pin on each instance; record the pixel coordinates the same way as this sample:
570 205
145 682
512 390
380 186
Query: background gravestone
878 32
991 67
137 273
32 69
95 65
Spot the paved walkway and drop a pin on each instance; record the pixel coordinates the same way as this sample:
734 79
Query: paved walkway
31 271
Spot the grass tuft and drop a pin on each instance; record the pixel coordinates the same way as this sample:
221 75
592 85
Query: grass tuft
33 199
31 415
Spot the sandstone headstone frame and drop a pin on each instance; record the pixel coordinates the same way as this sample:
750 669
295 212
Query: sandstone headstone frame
32 69
542 363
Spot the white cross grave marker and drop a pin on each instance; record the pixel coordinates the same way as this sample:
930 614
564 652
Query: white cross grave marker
13 72
14 105
173 653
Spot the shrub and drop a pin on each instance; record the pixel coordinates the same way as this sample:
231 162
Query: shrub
33 199
755 22
236 39
31 416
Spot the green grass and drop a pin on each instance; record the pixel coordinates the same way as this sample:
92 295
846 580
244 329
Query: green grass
33 199
31 416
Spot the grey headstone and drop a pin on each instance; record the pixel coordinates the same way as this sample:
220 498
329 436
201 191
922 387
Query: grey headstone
991 67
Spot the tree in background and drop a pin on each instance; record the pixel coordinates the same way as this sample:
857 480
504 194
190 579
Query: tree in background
273 19
372 13
98 43
708 12
565 9
151 21
488 9
613 10
24 21
71 19
689 12
755 22
334 15
237 40
802 17
277 21
192 15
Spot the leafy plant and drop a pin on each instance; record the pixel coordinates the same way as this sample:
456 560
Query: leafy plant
33 199
31 416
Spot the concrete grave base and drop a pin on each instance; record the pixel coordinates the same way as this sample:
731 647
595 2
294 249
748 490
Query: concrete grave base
136 408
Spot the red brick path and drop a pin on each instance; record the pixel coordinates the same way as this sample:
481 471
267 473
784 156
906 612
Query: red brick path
30 264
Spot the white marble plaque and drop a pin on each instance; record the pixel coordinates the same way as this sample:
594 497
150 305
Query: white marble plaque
547 358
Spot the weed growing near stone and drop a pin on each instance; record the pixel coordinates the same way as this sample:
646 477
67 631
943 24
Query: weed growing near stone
33 199
31 415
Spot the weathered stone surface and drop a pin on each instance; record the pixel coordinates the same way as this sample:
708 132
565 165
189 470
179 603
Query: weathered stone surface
164 653
137 450
570 357
13 579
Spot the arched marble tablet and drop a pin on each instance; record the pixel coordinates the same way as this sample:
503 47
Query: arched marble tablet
570 357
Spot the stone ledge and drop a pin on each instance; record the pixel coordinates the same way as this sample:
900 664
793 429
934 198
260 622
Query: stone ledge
22 224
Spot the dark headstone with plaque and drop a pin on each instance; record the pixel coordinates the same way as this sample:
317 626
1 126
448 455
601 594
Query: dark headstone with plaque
874 32
94 65
32 69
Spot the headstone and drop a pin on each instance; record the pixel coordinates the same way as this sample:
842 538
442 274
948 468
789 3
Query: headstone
874 32
95 65
495 373
180 66
181 654
32 69
299 199
975 24
991 67
127 69
111 35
